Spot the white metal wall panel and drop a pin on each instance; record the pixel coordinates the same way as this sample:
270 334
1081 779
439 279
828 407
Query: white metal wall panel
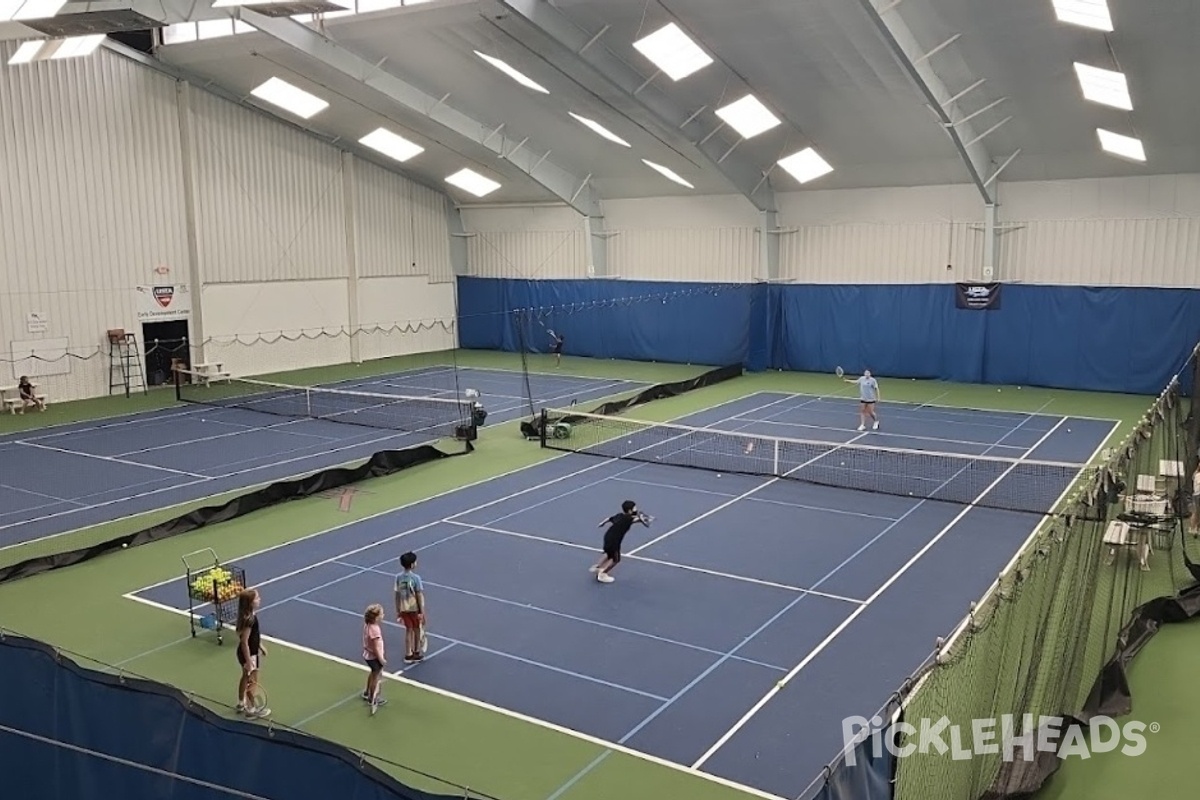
430 233
406 315
91 202
712 255
269 198
881 253
532 255
1103 252
384 234
275 326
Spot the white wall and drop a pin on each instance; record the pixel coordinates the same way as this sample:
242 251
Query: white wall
93 205
1128 231
91 202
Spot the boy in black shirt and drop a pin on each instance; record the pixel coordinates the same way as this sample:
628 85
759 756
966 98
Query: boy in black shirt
619 525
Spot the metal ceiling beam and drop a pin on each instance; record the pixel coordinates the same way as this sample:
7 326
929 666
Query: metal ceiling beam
919 67
577 55
574 190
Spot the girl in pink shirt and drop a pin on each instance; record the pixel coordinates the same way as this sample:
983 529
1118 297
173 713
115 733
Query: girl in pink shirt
373 654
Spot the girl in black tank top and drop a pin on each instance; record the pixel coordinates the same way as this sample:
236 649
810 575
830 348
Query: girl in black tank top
250 645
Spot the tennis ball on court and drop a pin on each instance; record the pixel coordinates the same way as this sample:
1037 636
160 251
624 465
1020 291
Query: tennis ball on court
124 545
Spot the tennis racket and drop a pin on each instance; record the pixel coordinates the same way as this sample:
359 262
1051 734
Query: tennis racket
646 518
841 373
422 640
256 699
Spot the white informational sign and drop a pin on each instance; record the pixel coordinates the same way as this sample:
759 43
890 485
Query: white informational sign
37 322
163 302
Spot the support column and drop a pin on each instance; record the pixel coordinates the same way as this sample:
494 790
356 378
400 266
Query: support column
989 272
350 209
596 246
458 239
768 246
187 151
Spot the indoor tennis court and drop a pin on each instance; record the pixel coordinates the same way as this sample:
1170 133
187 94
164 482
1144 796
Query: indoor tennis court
225 440
741 581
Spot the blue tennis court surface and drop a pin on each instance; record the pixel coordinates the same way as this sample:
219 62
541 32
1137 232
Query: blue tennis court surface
71 476
740 582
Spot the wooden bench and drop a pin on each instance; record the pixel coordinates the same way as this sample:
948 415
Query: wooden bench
207 373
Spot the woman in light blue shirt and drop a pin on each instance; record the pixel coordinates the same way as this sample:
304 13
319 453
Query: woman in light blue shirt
868 396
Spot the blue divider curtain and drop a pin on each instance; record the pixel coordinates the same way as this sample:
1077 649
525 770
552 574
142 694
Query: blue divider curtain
1114 339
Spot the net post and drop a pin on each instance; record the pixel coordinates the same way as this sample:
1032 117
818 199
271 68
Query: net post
542 427
775 459
308 403
178 373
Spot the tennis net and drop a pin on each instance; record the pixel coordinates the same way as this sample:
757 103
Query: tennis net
977 480
441 417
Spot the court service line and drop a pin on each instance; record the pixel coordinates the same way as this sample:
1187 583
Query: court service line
774 690
573 618
694 490
448 492
111 459
504 712
499 653
741 496
662 563
202 479
242 430
894 435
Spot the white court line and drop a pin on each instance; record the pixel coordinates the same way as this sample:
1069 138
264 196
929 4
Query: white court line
660 562
150 416
995 586
741 723
543 724
711 493
242 429
35 494
741 496
204 479
446 493
110 459
574 618
898 404
893 434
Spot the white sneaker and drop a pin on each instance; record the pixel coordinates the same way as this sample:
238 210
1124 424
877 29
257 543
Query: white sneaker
862 427
875 427
604 577
593 568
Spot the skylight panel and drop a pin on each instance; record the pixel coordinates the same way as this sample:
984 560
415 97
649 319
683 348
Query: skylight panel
806 165
1123 146
471 181
519 77
748 116
600 129
77 46
26 52
391 144
667 173
179 32
1104 86
290 98
1088 13
34 9
673 52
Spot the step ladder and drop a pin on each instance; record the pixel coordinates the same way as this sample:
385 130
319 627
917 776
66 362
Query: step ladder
124 363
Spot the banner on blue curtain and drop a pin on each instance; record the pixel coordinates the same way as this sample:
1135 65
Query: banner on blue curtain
977 296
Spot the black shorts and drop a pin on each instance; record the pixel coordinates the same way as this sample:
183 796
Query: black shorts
867 402
612 549
557 349
375 664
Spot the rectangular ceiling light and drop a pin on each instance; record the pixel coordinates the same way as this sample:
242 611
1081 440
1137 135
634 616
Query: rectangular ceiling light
471 181
805 165
391 145
1104 86
33 9
519 77
600 129
667 173
79 46
1123 146
1088 13
26 53
673 52
748 117
290 98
